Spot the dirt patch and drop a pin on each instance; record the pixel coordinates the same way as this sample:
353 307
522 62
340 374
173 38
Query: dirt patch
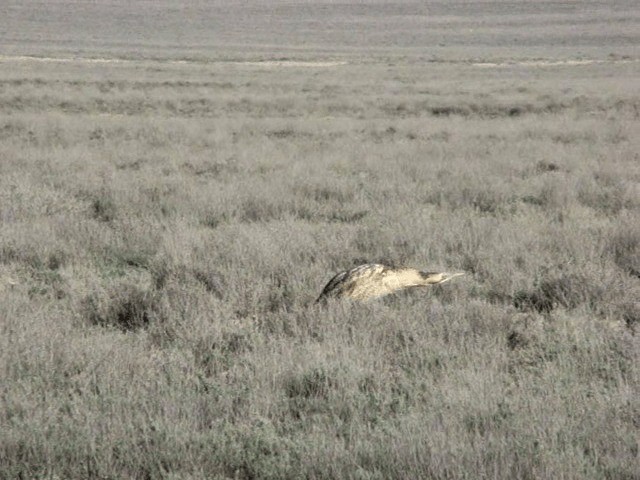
26 58
290 63
547 63
265 63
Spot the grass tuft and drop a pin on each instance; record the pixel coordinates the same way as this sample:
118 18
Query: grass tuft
103 207
625 246
125 306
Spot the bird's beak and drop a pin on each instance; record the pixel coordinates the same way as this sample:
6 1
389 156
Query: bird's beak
448 276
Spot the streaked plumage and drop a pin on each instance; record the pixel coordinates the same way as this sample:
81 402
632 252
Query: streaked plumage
373 280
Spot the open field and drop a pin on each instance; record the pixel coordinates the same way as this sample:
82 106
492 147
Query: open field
169 211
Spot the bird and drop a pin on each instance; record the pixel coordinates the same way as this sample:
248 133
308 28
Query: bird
374 280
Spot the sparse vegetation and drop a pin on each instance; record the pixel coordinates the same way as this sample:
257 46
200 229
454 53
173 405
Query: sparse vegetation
165 228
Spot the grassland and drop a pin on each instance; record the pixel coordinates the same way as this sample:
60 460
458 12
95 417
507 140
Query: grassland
168 217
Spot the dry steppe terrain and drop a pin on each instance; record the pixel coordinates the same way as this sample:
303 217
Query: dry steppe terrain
178 181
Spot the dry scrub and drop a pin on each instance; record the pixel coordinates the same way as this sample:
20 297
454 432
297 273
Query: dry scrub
165 229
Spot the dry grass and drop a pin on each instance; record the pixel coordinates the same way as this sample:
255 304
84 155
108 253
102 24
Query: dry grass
166 227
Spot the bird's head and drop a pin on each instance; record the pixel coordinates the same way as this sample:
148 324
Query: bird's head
434 278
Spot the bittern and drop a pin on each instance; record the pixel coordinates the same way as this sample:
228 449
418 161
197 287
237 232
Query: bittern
373 280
